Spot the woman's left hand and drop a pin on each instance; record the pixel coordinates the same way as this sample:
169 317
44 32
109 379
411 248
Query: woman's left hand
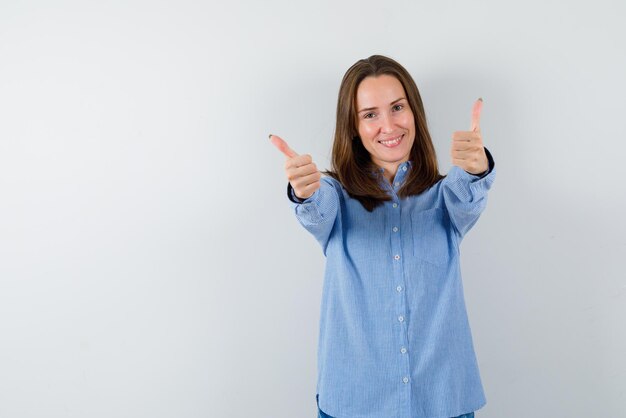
467 149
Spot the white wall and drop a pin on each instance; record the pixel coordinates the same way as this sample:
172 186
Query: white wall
150 265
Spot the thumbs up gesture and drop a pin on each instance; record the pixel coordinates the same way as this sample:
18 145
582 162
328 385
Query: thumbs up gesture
301 171
467 149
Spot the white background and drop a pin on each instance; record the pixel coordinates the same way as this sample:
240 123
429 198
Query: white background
150 263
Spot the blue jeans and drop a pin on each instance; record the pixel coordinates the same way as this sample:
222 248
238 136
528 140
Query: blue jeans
321 414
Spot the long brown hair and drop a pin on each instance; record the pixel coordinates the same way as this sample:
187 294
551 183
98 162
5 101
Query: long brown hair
351 163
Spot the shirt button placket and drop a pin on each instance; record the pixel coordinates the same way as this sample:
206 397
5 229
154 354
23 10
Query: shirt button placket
398 235
398 276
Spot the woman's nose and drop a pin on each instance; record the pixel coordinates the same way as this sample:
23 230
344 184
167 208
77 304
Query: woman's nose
386 123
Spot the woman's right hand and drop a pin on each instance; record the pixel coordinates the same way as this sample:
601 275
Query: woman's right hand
301 171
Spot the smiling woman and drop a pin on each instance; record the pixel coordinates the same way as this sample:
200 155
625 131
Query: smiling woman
379 101
386 125
394 336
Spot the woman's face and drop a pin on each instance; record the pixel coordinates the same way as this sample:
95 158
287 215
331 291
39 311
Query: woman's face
385 121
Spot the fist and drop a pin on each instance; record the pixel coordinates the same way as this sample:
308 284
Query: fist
301 171
467 149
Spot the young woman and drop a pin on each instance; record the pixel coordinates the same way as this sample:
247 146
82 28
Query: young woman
394 337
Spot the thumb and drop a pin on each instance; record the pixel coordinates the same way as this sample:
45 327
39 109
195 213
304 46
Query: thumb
478 106
282 146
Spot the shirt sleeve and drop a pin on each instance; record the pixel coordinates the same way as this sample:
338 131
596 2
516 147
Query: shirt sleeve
317 213
465 195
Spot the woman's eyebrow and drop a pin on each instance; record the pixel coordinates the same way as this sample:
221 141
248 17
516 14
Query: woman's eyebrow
374 108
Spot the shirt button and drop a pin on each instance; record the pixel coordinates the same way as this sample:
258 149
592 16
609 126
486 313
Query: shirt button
395 205
400 318
395 229
399 288
403 350
397 257
404 168
397 183
405 380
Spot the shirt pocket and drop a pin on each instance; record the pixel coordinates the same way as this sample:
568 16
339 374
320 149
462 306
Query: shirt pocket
431 236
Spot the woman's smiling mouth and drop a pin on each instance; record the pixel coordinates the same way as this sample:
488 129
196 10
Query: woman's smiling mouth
390 143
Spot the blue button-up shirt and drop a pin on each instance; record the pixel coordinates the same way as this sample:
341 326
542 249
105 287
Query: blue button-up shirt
394 337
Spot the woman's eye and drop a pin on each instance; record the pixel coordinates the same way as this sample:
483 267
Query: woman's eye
398 107
368 115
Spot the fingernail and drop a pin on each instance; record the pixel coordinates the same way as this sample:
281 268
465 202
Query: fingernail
270 136
480 98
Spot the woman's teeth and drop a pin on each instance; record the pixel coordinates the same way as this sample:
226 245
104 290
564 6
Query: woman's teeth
391 142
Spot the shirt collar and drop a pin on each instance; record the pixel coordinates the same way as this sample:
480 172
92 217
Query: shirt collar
398 179
408 164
